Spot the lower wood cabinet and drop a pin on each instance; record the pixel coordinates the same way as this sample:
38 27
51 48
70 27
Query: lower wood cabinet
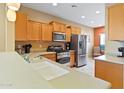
111 72
72 58
50 56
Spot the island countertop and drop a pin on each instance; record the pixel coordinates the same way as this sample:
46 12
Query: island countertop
112 59
15 72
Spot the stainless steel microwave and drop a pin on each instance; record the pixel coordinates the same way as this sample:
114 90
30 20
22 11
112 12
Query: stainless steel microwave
58 36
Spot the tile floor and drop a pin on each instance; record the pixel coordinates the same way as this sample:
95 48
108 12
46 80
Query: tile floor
88 69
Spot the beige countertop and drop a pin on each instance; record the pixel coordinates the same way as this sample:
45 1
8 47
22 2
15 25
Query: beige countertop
44 53
112 59
15 72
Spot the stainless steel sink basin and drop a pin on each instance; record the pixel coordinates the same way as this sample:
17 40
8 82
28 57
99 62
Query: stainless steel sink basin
32 57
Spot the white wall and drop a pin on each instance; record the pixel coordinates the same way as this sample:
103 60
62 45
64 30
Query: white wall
10 36
7 31
2 27
46 18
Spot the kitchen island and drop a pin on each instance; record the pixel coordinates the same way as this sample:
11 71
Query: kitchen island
15 72
111 69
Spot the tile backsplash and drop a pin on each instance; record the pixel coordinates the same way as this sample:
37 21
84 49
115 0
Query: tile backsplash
111 47
38 46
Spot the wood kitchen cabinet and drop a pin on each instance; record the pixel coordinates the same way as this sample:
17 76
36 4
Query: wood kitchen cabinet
75 30
72 58
78 31
33 30
116 22
46 32
111 72
50 56
21 27
68 34
58 27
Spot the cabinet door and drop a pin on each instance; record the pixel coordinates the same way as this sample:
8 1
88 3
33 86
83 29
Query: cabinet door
72 59
73 30
68 34
78 31
34 30
21 27
116 22
110 72
62 28
50 56
46 32
58 27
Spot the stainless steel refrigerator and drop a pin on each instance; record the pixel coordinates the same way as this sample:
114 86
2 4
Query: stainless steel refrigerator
78 43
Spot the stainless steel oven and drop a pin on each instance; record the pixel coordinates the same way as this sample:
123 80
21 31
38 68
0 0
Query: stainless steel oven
63 57
58 36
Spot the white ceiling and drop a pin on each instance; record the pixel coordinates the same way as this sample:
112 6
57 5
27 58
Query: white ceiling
65 10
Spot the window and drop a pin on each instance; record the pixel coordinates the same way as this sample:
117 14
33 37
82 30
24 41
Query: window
102 41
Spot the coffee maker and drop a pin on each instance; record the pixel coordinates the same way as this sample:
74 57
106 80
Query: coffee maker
27 48
121 49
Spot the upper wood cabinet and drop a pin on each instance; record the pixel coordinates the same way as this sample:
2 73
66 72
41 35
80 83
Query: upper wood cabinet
78 31
21 27
116 22
33 30
68 34
75 30
46 32
58 27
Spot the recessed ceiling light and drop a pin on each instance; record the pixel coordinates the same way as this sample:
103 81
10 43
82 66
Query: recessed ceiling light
97 12
83 17
55 4
91 22
99 25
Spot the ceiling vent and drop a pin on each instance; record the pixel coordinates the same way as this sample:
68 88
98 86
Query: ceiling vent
74 6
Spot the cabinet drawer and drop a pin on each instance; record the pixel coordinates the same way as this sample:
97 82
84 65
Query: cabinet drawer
53 59
50 56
